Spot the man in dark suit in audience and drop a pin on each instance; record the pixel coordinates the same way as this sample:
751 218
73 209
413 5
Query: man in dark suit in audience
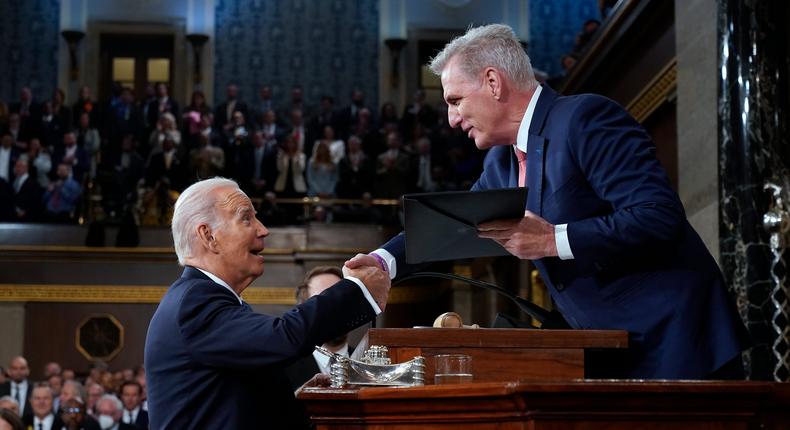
223 114
29 111
18 386
162 104
132 399
42 416
70 153
315 282
27 193
210 359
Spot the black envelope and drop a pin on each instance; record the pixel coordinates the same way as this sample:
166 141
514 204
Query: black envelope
443 226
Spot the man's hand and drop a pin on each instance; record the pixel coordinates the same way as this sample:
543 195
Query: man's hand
528 238
376 281
361 260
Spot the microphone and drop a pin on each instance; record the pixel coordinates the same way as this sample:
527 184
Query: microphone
548 319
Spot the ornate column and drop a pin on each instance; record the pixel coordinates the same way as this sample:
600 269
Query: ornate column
754 156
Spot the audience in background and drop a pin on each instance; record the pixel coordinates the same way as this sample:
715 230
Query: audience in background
135 156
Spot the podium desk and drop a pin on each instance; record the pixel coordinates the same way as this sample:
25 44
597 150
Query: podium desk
511 354
554 405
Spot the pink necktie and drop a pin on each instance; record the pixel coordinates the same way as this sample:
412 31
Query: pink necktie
522 166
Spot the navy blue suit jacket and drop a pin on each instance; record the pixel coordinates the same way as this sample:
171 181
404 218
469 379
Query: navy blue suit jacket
638 264
212 363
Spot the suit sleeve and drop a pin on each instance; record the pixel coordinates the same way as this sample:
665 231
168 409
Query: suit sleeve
617 158
219 332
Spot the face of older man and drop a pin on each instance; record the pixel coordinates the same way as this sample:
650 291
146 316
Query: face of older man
238 242
472 107
41 401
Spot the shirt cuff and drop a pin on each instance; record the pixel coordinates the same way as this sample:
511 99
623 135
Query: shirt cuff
366 293
392 265
561 239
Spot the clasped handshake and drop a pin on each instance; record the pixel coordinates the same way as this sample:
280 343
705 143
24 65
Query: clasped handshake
368 270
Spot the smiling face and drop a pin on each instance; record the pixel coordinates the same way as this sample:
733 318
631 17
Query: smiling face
238 241
471 105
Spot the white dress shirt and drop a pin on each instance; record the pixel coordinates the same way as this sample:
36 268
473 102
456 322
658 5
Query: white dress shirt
46 422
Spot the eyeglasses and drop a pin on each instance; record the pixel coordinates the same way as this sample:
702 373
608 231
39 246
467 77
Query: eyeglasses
70 410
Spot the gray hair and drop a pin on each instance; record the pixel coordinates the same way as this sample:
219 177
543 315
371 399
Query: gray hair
77 385
195 206
110 397
494 45
9 399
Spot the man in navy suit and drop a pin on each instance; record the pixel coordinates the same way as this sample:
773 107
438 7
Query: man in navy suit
211 361
602 223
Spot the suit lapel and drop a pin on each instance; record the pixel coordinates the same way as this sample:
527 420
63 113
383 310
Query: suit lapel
535 161
536 150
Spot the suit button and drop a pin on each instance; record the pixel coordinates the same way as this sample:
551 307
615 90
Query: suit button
559 286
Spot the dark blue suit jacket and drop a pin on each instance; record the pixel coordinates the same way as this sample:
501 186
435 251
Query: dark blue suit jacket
638 264
212 363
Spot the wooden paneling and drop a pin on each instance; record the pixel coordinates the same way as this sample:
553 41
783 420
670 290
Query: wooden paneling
501 354
555 405
50 334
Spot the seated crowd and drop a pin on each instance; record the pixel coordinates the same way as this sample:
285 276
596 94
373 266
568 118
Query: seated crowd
134 156
101 400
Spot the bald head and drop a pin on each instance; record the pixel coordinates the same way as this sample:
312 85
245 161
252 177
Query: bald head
18 370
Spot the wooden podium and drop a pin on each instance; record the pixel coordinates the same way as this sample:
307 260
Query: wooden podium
505 354
535 379
577 405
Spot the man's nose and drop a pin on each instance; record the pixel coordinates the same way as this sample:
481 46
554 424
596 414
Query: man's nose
453 118
262 231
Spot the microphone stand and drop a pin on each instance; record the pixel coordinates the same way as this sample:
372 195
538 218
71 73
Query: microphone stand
547 319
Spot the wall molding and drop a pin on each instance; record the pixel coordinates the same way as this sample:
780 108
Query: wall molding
151 294
661 88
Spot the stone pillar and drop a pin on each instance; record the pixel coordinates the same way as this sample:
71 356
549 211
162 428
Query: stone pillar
12 335
753 151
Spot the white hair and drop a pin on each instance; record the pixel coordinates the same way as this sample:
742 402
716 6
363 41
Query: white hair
77 386
195 206
115 401
494 45
9 399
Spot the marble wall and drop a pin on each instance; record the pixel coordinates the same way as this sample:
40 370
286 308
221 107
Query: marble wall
29 34
753 154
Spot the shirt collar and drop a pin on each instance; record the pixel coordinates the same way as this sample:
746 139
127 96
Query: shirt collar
323 361
214 278
523 129
46 422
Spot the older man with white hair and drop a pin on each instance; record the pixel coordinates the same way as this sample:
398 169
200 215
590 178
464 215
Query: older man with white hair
602 223
210 359
109 408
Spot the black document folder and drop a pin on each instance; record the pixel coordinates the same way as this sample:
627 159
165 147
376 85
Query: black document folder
443 226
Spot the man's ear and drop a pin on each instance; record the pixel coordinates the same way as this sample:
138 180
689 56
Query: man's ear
206 237
493 80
